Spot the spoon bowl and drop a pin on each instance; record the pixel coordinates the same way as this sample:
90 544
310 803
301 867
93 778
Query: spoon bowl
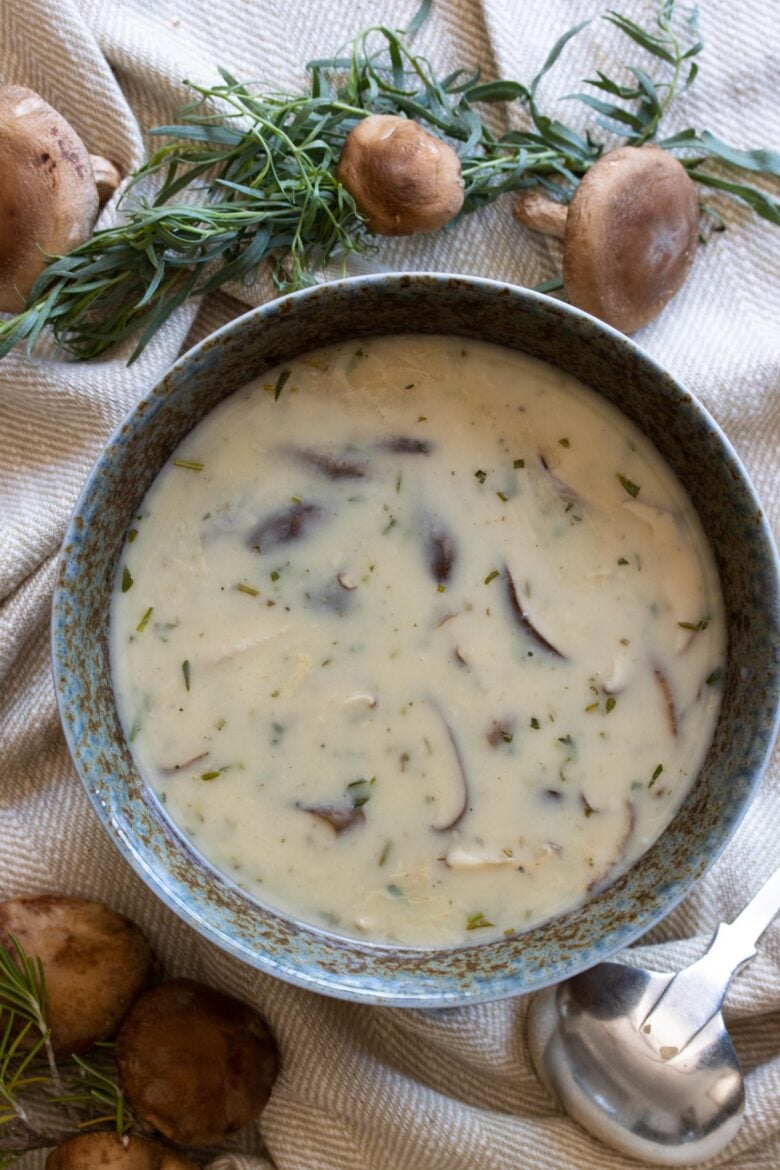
643 1059
587 1044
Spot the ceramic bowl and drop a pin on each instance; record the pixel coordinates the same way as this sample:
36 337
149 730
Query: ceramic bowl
686 437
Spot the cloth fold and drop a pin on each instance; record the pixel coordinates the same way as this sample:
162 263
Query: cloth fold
374 1088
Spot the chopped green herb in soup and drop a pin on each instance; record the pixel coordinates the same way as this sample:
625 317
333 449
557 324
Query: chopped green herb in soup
424 641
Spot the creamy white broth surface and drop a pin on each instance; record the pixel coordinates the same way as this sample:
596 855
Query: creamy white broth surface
424 650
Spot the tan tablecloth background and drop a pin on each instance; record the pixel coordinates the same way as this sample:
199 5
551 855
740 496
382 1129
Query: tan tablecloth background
366 1088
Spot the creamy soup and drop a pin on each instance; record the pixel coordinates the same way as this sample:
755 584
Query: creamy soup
418 640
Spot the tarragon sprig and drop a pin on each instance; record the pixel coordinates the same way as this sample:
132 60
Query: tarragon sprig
643 105
249 175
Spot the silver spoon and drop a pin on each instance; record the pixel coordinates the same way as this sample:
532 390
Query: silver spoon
643 1059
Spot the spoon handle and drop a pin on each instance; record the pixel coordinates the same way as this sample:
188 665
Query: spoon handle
760 910
696 993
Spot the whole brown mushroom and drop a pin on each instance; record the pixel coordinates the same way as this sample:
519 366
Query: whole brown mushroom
403 179
629 233
50 190
95 962
195 1064
107 1151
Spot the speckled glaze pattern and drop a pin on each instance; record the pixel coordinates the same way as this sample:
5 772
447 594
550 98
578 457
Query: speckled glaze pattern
687 438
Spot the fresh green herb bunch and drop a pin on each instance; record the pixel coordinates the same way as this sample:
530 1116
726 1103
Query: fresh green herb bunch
30 1079
24 1033
250 177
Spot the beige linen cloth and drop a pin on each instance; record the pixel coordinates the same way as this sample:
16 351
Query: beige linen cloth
370 1088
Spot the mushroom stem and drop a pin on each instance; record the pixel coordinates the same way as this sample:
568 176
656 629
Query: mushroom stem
536 210
107 177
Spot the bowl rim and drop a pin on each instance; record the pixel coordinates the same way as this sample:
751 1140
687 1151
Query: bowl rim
479 990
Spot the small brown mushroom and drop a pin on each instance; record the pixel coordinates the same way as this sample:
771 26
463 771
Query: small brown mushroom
194 1063
95 962
402 178
50 190
89 1151
630 234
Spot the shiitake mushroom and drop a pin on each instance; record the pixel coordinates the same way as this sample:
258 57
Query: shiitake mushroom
50 190
403 179
108 1151
629 234
95 962
194 1063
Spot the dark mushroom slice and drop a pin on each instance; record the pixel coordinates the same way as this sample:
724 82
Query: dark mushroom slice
604 878
108 1151
462 802
501 732
562 488
405 445
194 1063
172 769
284 526
340 817
95 962
331 466
665 687
521 617
441 550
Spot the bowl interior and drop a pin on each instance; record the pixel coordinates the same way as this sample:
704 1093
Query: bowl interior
689 441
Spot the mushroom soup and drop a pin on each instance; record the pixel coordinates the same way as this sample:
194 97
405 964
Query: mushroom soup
418 640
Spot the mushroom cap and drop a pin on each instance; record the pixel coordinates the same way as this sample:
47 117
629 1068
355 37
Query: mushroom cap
48 197
402 178
95 962
631 236
194 1063
89 1151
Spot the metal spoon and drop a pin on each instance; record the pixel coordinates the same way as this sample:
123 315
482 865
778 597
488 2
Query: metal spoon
643 1059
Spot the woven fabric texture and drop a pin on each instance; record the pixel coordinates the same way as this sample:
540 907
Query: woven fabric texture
370 1088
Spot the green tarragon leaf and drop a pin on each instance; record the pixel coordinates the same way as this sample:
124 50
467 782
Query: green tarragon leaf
659 47
762 204
478 922
632 488
281 382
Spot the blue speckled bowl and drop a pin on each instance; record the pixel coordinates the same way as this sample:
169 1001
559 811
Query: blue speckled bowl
688 439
